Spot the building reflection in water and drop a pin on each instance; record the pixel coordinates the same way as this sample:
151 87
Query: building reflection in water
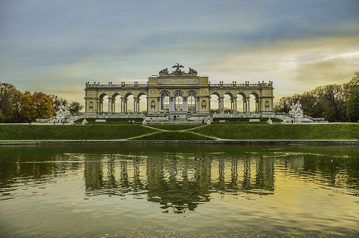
178 181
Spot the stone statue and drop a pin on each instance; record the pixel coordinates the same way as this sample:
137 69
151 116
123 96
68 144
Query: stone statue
62 113
296 110
164 72
192 72
178 71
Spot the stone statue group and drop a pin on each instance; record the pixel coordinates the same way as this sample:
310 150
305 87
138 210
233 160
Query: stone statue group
63 114
296 110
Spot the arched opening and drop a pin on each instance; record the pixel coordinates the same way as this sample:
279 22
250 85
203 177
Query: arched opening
228 103
214 101
116 103
142 103
165 101
253 102
191 100
103 103
129 103
178 100
241 107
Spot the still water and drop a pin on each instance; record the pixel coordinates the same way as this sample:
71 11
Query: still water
179 191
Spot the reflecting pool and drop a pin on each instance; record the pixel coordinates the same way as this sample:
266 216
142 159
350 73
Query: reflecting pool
179 191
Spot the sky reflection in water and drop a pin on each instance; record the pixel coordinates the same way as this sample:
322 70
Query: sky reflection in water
179 191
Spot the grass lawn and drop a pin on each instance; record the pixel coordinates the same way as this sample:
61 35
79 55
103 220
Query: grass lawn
71 132
224 131
280 131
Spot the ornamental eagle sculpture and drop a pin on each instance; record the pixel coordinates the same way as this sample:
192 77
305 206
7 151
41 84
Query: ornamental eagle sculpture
178 71
177 66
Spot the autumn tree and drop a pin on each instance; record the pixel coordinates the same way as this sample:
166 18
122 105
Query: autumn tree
36 106
9 102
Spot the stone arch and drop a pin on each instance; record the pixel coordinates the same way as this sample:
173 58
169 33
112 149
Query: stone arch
192 91
165 91
164 100
253 102
128 102
228 103
178 100
114 99
103 102
241 102
192 100
141 101
215 102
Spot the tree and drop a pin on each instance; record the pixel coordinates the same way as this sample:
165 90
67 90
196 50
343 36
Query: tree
75 107
36 106
324 101
352 98
9 96
57 101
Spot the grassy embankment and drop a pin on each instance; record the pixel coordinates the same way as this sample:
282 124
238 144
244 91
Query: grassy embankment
285 132
181 132
73 132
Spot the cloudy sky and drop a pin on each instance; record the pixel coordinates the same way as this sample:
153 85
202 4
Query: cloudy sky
56 46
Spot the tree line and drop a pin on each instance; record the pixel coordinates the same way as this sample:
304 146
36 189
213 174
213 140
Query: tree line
335 103
17 106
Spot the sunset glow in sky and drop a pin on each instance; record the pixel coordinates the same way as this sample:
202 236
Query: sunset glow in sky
57 46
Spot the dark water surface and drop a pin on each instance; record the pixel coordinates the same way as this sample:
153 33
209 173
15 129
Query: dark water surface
179 191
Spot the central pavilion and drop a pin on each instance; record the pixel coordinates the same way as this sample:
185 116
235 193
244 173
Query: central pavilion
177 93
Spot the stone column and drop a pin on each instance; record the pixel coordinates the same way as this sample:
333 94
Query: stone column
197 103
185 104
138 105
135 104
221 104
172 104
109 110
97 105
158 104
244 105
122 104
260 105
248 105
113 105
234 104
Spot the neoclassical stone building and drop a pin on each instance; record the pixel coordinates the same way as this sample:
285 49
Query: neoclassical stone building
176 93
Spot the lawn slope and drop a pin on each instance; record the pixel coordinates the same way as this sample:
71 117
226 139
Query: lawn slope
280 131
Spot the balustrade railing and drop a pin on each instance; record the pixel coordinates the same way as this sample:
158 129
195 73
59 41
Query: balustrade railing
123 85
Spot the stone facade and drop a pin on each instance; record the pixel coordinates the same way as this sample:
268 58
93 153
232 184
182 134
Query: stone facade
176 92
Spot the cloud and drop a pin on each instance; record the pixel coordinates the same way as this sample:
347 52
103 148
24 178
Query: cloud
56 46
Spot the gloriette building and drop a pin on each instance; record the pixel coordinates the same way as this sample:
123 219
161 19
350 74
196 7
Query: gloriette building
178 93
